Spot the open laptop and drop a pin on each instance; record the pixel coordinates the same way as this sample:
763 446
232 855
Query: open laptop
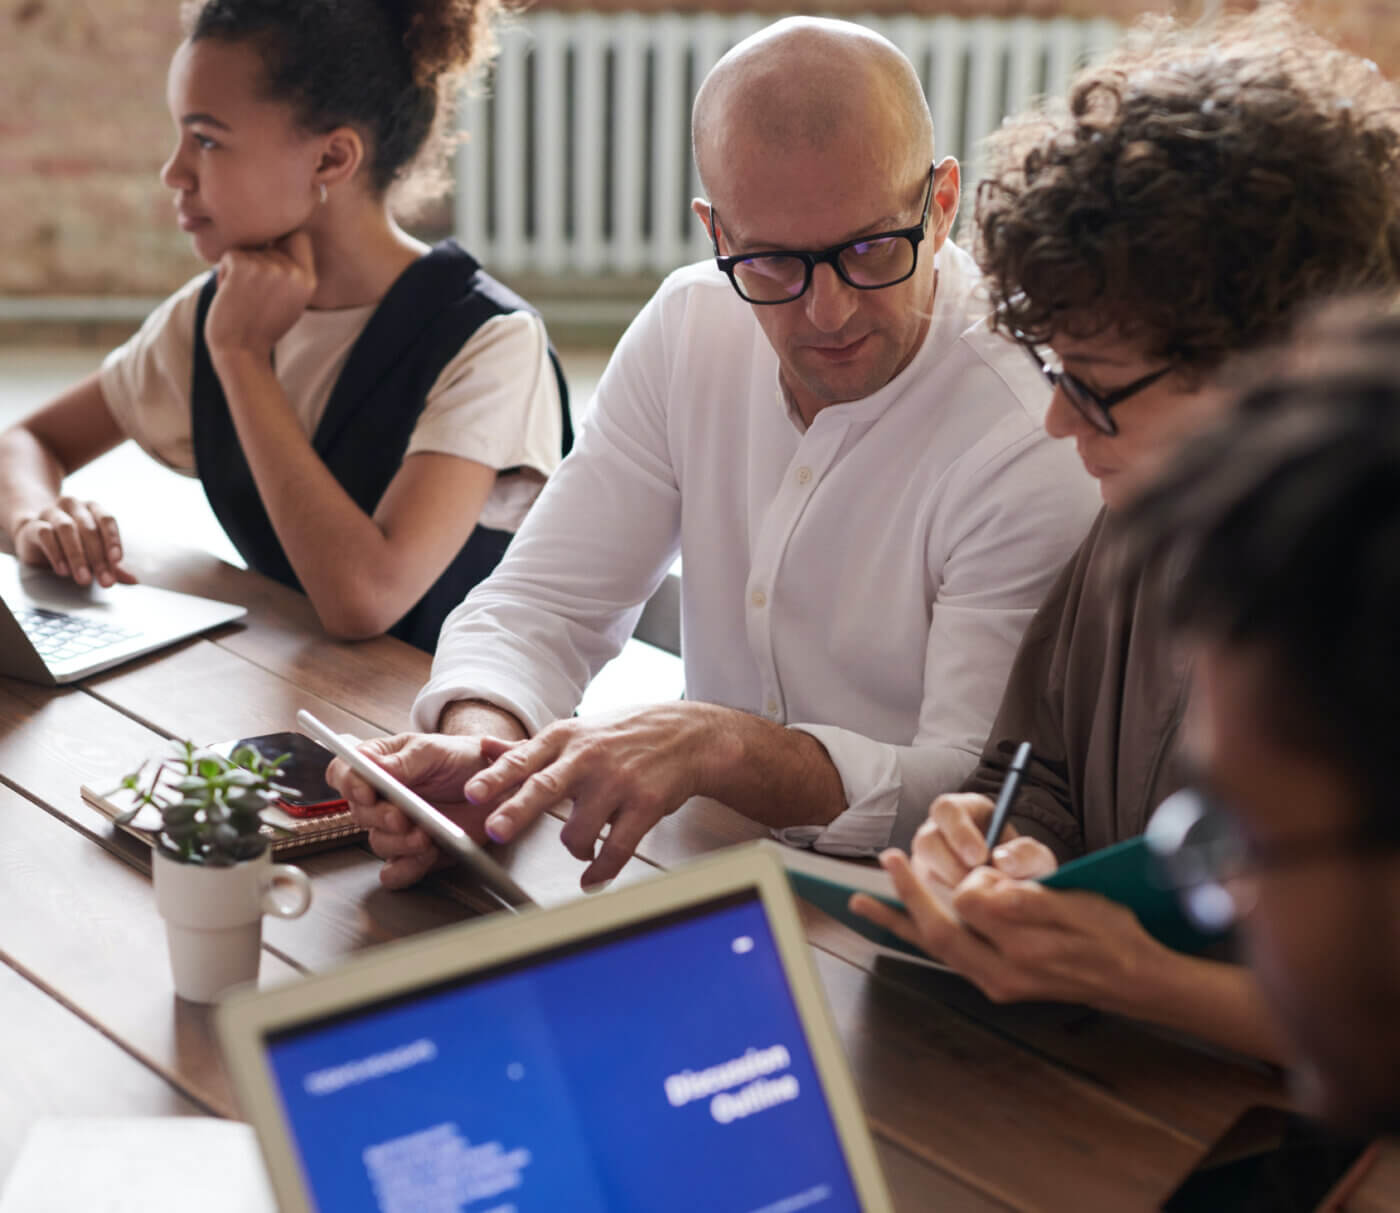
52 630
662 1047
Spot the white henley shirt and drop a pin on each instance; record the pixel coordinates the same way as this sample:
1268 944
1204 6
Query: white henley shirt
865 580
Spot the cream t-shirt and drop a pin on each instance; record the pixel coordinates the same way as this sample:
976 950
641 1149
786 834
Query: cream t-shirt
496 401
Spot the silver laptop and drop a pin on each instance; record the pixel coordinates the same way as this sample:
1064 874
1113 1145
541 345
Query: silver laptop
52 630
662 1047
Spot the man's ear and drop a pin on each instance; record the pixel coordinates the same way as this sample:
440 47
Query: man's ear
342 154
704 213
947 192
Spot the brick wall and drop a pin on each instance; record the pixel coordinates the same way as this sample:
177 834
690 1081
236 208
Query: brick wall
84 129
83 132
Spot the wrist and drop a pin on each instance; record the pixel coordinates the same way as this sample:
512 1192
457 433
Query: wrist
480 718
715 740
236 361
1211 999
1148 984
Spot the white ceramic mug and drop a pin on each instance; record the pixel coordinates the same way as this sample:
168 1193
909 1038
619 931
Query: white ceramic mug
213 918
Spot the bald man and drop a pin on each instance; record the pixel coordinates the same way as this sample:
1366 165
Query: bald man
850 464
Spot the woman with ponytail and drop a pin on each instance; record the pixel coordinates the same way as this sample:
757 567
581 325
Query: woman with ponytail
370 417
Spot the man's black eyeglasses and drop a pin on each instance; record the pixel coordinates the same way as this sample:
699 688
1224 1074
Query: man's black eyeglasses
866 263
1089 404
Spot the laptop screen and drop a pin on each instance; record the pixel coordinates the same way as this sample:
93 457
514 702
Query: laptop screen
661 1066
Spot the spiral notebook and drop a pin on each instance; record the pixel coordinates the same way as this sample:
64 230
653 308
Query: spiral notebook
287 835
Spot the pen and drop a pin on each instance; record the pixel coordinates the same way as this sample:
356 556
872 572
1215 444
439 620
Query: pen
1008 793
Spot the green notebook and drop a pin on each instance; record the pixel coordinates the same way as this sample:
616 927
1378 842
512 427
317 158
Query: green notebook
1127 873
1123 873
828 884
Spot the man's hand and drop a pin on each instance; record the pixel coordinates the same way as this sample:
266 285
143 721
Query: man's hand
77 539
434 766
1019 941
625 772
952 842
262 293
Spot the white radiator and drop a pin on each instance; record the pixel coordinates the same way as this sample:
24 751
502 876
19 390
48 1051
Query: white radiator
578 157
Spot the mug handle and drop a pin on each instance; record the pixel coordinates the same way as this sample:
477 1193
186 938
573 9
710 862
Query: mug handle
286 891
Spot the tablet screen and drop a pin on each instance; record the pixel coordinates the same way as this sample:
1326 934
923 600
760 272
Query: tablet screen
661 1066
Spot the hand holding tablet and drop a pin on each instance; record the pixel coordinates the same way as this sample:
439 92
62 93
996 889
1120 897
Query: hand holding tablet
441 829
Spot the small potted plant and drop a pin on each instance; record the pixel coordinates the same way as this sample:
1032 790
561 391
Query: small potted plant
213 873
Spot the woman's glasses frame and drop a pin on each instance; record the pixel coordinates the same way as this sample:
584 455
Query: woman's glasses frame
1091 405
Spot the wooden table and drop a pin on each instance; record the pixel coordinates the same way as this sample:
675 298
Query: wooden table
973 1106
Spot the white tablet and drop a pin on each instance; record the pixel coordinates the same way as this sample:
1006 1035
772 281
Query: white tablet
663 1046
440 828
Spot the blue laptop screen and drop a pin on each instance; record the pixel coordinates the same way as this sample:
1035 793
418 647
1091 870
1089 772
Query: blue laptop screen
662 1067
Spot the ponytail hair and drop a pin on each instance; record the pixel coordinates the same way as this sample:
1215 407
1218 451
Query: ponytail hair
392 69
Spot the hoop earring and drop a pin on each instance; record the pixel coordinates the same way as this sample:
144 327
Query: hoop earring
323 193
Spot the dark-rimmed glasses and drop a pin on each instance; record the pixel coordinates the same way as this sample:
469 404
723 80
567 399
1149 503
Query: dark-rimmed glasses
1091 405
867 263
1209 862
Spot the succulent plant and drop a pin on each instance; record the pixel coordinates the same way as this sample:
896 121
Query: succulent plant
210 806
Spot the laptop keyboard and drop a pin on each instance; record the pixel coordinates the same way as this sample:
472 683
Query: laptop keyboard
61 637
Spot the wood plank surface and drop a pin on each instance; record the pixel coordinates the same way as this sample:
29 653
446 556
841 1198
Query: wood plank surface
1188 1088
173 696
917 1186
955 1094
203 692
373 679
52 741
55 1064
82 925
167 694
1197 1092
699 826
1104 1114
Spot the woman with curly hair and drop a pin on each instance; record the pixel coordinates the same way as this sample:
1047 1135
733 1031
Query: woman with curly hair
369 417
1198 189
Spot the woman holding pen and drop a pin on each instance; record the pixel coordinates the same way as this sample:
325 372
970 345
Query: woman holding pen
1198 191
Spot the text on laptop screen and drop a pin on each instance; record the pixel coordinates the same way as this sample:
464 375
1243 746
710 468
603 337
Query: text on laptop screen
663 1066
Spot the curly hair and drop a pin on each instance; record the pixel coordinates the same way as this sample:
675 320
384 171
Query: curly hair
1277 531
390 68
1198 185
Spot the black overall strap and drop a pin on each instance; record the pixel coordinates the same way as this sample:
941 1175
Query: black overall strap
422 322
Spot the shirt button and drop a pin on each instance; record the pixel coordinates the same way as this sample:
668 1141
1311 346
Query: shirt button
772 707
758 598
804 475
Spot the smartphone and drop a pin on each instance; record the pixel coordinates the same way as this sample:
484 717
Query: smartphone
1272 1160
437 825
305 771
